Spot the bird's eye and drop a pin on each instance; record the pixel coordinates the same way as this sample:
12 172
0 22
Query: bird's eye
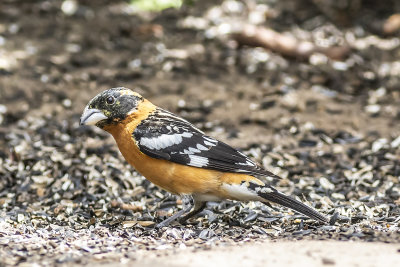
110 100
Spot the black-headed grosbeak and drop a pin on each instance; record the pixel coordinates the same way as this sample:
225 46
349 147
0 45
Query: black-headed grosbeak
176 156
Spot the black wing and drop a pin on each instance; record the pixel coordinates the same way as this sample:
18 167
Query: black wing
165 136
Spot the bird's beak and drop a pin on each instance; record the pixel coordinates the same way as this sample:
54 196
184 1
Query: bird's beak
92 116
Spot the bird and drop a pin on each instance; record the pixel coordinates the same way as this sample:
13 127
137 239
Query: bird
176 156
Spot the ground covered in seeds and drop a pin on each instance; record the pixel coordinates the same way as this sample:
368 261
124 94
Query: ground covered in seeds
329 128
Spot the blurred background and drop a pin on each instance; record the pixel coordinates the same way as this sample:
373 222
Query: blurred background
307 88
239 65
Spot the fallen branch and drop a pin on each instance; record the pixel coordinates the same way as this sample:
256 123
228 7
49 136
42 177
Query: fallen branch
286 45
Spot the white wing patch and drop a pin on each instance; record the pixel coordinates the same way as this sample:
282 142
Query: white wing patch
194 150
187 134
240 192
210 141
247 163
163 141
166 140
198 161
201 147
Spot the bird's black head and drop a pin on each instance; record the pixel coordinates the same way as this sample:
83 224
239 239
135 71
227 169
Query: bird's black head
110 107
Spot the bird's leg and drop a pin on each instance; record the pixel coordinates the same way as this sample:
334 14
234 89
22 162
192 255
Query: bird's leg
187 206
198 207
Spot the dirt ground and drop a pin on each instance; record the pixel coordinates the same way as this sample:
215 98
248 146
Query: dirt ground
284 253
329 128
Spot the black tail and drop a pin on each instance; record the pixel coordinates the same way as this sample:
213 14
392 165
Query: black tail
292 203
